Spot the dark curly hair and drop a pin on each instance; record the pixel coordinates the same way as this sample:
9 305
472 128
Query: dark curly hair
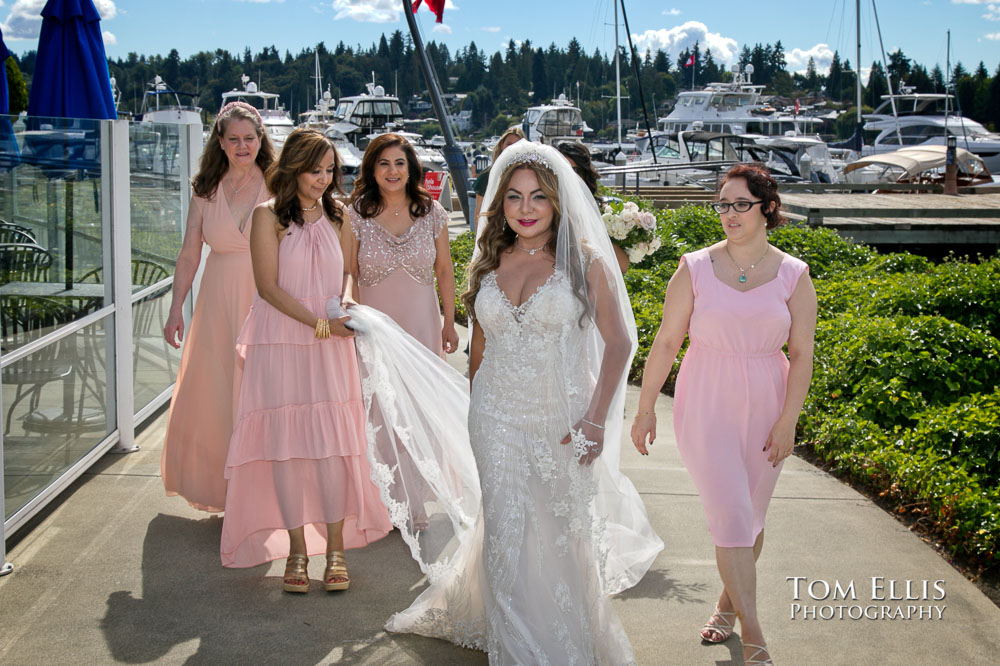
761 185
582 164
366 197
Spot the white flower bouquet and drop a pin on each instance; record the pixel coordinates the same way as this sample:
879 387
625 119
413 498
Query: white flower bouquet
631 229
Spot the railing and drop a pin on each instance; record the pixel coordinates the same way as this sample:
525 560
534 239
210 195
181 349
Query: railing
98 210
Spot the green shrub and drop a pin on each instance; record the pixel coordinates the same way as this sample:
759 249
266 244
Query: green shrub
966 431
889 369
825 251
461 255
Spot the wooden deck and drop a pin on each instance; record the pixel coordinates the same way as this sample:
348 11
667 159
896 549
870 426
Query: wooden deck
902 219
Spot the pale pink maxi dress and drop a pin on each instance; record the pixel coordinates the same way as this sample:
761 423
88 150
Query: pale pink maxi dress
200 421
730 391
297 455
396 273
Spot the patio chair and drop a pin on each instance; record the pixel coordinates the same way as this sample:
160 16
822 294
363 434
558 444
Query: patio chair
12 234
24 262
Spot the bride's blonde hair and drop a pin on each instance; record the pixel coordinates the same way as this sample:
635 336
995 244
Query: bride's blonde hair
497 235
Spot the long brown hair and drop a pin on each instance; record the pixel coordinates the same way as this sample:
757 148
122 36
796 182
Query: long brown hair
366 197
497 235
303 151
499 148
214 164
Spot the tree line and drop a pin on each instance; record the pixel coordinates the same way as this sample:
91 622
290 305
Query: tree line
499 86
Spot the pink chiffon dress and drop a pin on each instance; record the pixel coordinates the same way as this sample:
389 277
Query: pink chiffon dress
396 273
298 452
730 391
200 421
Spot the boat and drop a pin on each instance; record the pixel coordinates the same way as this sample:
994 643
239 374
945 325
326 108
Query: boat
372 112
919 164
163 104
736 107
348 155
555 122
277 123
322 115
927 119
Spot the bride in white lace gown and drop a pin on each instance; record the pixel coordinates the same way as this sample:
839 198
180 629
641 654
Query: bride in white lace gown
561 528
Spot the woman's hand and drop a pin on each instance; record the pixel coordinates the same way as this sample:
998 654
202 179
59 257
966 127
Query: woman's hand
338 329
587 439
173 331
643 425
449 339
780 442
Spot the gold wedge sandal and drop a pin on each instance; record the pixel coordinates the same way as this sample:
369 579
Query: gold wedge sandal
336 578
296 576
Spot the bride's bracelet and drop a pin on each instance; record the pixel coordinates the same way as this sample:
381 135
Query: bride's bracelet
638 414
596 425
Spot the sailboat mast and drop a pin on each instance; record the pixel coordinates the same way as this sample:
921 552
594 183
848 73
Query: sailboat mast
857 77
947 79
618 80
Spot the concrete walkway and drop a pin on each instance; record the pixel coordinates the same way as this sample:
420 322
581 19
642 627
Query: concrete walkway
120 573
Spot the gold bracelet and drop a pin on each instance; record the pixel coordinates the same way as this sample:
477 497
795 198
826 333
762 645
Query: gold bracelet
645 413
322 329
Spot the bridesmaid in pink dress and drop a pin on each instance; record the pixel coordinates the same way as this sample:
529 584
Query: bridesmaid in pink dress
299 480
738 396
229 183
396 245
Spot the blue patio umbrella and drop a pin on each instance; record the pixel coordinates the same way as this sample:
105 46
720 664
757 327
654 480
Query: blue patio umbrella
10 156
70 82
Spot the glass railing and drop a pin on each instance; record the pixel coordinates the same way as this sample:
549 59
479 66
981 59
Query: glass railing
72 217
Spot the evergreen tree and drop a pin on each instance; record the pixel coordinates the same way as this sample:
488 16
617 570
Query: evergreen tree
834 78
17 91
811 78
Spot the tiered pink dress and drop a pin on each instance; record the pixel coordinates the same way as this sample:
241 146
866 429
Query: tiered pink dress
297 455
396 273
200 421
730 391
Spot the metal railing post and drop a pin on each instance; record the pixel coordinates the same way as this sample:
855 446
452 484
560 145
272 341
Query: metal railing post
5 566
121 242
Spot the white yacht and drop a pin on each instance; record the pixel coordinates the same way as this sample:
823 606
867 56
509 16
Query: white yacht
926 119
358 116
277 123
556 122
734 108
321 116
163 104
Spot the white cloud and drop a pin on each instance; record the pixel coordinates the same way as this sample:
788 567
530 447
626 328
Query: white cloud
443 28
676 39
25 18
992 12
492 28
671 12
798 60
995 36
367 11
109 38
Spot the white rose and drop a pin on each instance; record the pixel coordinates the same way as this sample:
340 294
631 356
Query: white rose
634 255
647 221
628 215
632 206
655 244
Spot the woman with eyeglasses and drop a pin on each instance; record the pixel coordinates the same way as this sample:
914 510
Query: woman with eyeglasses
738 396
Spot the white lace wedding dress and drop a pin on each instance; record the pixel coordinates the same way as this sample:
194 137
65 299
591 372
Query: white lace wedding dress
531 588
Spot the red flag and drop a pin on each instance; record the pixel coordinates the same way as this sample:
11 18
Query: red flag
690 61
796 105
436 6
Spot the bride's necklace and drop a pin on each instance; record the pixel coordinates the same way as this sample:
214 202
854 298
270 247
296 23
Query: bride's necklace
743 271
531 251
246 181
313 207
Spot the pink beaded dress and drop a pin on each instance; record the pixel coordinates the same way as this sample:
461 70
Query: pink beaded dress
200 421
730 391
297 455
396 273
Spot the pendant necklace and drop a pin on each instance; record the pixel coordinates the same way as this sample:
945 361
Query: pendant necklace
246 181
743 271
532 251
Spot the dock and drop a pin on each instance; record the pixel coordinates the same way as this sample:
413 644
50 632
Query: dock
902 218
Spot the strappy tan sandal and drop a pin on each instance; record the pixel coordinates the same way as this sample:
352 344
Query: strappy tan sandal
755 658
336 578
296 577
719 624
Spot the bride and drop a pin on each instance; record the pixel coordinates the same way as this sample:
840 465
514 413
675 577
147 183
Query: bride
528 579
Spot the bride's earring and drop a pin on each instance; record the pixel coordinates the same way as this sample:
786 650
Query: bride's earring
505 225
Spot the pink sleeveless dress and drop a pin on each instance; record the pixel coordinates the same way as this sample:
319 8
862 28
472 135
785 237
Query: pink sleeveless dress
298 452
729 394
200 421
396 273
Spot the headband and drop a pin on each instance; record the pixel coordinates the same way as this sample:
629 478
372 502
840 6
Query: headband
530 158
242 105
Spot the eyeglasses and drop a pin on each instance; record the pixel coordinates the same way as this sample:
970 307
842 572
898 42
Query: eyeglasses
722 207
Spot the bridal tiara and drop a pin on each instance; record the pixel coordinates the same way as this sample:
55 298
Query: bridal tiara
531 157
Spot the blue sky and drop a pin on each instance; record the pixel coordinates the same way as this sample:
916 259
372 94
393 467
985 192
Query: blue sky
805 27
